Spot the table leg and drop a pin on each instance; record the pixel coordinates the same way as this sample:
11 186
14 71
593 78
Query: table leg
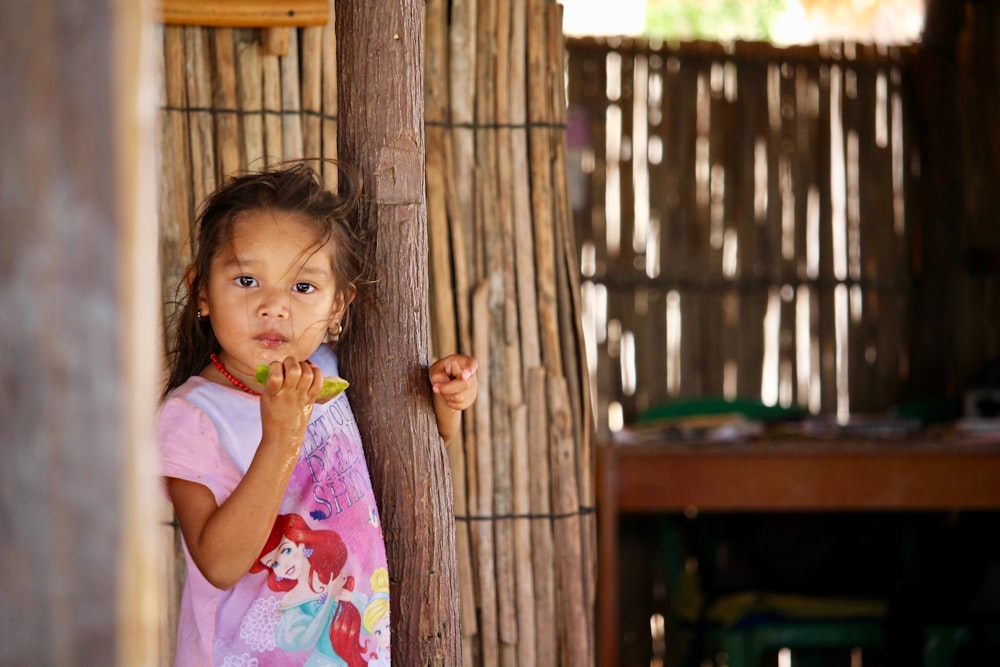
607 556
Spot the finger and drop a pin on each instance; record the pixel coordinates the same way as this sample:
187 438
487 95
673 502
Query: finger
455 366
316 383
458 403
310 378
469 368
455 391
293 371
437 375
447 385
275 376
460 365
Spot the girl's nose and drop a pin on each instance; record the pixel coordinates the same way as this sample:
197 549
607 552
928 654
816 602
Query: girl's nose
273 304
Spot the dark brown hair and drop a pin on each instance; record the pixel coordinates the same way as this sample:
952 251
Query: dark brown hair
288 187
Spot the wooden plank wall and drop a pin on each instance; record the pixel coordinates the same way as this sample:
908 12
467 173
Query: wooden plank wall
741 213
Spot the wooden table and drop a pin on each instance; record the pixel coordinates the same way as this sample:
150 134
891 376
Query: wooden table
782 474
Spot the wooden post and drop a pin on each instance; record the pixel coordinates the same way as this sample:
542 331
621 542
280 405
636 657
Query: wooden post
78 368
380 56
943 217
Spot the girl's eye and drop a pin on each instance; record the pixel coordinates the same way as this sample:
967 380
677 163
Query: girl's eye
304 288
246 281
286 551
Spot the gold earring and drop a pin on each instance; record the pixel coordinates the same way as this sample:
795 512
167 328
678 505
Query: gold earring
335 331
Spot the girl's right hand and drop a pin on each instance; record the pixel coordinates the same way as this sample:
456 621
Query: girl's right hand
286 404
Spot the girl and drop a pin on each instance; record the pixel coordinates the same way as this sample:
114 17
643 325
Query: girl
273 277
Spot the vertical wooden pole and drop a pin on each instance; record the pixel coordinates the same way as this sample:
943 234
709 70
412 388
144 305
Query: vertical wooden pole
943 216
143 591
78 366
381 103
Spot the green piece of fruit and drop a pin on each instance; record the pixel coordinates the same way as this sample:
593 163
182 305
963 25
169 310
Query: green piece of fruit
332 386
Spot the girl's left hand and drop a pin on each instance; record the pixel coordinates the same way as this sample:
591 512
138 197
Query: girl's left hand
453 380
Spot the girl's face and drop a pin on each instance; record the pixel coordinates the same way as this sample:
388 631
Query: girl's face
273 294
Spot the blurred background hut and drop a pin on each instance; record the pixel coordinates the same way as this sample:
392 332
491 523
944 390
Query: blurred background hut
786 207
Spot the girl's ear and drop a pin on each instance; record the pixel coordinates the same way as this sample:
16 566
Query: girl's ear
200 299
341 302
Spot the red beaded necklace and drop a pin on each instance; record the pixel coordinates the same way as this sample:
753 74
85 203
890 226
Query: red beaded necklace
232 378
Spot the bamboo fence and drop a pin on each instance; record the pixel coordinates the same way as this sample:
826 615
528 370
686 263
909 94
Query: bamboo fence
744 215
499 224
504 280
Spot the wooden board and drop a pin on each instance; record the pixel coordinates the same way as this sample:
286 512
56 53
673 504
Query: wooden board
245 13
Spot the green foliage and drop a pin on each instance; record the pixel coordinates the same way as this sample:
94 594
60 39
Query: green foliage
712 19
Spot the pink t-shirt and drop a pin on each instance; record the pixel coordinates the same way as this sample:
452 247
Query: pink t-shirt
318 594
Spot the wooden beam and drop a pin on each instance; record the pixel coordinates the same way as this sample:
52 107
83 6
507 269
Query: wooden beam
380 122
245 13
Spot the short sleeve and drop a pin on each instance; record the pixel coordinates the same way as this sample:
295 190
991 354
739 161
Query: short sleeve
190 449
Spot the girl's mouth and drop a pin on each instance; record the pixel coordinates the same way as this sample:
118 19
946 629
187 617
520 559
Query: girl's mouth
271 340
